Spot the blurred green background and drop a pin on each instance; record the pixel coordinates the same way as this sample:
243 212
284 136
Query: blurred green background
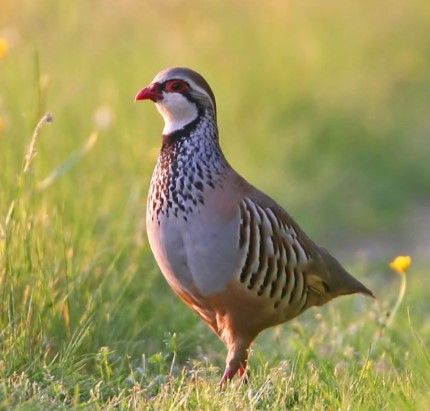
325 105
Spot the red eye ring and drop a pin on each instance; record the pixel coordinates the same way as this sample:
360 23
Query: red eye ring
176 86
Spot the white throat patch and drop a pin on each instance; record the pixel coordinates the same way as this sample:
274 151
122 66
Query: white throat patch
177 112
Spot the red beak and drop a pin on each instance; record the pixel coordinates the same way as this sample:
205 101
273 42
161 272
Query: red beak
151 92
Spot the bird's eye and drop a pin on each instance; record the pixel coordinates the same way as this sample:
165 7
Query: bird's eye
177 86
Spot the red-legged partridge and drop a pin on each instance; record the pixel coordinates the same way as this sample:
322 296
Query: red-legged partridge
228 250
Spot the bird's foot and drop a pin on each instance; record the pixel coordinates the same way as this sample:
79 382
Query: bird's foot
229 373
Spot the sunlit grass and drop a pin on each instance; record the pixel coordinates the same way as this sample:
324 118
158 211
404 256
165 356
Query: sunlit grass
325 106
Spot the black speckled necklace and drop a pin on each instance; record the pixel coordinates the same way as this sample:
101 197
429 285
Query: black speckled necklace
190 162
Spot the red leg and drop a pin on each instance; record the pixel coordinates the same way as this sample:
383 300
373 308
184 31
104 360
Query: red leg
229 373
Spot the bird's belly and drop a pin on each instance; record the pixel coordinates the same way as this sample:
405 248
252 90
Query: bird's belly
203 266
165 239
196 255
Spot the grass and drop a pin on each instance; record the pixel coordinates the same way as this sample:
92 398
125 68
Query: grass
327 105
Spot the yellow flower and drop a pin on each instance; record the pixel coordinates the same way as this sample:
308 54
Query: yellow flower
3 47
401 264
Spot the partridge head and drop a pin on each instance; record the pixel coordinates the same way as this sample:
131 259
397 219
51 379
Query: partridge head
232 254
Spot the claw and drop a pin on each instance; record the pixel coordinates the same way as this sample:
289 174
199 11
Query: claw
229 373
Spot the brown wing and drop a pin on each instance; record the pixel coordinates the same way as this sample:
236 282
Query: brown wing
283 263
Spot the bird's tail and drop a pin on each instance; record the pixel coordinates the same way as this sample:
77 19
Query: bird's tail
342 282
